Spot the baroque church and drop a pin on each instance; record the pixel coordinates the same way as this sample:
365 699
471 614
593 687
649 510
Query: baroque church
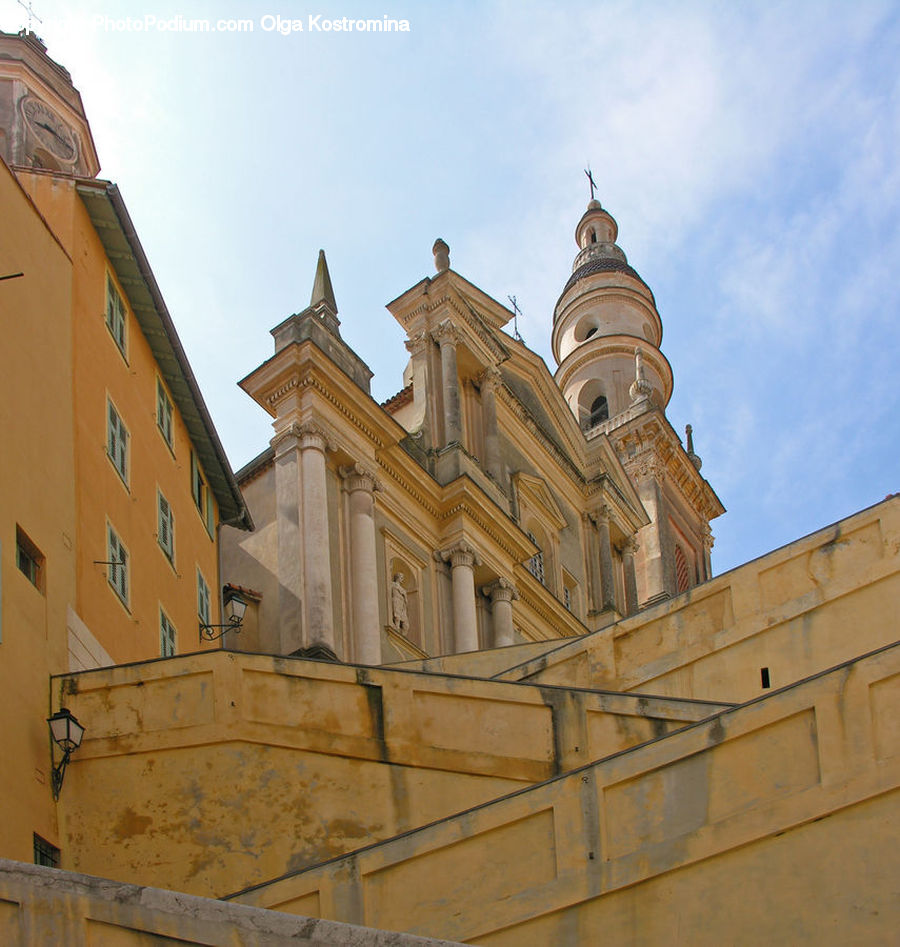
453 668
487 503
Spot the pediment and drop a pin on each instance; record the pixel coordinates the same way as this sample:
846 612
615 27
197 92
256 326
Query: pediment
539 499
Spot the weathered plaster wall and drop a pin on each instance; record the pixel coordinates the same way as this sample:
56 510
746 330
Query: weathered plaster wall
47 906
682 840
210 772
798 610
36 495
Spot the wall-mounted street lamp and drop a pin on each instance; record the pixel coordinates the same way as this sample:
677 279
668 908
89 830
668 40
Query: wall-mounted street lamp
67 733
235 607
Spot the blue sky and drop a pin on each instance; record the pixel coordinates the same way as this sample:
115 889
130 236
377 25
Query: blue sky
749 153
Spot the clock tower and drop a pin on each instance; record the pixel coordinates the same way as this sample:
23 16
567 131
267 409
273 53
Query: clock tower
42 120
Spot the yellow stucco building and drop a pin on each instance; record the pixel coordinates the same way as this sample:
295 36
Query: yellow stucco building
487 688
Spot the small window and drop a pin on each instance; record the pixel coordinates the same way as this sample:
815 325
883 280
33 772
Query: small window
30 560
45 853
117 565
590 333
599 411
202 496
164 412
535 564
117 441
166 636
202 599
166 527
682 573
115 313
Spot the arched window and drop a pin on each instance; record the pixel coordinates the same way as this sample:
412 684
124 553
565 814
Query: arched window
599 411
593 236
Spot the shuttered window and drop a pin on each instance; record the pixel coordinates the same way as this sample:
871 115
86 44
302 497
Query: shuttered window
117 565
202 599
166 635
115 313
166 527
117 441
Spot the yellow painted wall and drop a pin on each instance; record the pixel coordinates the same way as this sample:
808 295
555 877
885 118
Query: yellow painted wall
798 610
49 907
37 494
101 372
210 772
784 807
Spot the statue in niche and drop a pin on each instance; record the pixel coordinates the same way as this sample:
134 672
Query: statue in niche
399 604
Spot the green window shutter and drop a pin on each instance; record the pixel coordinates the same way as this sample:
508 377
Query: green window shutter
194 479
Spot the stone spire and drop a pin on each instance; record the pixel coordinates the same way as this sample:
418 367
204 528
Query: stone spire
322 293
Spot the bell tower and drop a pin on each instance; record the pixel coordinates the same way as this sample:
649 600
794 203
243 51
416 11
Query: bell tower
604 316
42 119
606 341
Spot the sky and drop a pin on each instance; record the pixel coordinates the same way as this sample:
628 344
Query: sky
748 151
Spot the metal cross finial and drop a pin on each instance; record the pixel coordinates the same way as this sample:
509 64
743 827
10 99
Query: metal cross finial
31 14
587 171
516 313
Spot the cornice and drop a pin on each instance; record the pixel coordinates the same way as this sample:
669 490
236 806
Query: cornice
588 352
546 606
656 444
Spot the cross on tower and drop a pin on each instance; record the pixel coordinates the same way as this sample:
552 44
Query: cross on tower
587 171
31 14
516 313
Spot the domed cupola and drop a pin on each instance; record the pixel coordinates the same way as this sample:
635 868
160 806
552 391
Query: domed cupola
606 329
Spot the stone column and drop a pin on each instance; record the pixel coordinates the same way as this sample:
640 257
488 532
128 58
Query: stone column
490 382
593 556
447 337
361 486
647 473
502 594
287 636
628 549
463 559
607 584
318 616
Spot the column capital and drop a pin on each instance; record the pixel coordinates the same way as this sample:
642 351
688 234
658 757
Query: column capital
629 546
646 466
490 378
313 435
602 515
460 554
446 334
500 590
285 440
360 477
708 539
415 343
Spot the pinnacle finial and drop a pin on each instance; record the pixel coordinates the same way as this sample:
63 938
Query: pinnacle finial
322 291
689 435
640 389
441 255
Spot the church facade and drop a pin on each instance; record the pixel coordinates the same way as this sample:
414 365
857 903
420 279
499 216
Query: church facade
486 688
487 503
